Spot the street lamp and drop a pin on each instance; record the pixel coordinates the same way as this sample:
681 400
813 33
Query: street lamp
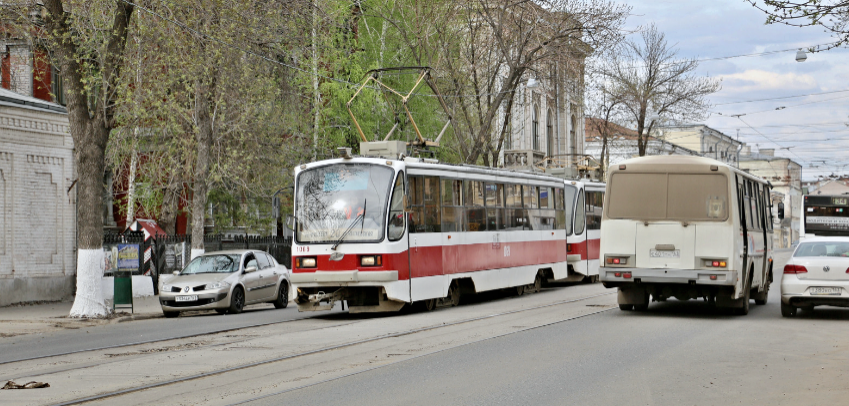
801 56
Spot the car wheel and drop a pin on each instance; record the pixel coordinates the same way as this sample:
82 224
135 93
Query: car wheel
282 296
626 306
170 315
237 301
788 310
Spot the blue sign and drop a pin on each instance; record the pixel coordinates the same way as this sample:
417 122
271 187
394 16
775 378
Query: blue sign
128 256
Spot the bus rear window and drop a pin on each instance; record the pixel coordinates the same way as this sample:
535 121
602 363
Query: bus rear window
661 196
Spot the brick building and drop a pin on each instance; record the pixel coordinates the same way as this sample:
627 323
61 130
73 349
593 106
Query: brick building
37 211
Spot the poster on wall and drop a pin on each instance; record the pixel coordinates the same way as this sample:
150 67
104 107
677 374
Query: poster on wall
110 259
128 256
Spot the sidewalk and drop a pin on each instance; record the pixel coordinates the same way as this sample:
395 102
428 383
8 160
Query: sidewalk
41 318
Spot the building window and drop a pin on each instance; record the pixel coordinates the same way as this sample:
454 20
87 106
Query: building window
549 133
535 128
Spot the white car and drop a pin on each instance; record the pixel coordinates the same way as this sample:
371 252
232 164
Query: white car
816 275
226 281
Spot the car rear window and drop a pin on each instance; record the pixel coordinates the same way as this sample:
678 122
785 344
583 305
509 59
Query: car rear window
823 249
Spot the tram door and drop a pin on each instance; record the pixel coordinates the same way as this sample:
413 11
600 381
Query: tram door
424 238
578 242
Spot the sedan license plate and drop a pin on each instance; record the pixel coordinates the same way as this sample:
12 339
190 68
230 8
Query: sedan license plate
192 298
825 291
664 253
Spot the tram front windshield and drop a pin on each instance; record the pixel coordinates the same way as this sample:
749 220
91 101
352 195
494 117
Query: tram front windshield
342 199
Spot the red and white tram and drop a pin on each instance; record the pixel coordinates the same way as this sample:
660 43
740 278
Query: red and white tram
381 233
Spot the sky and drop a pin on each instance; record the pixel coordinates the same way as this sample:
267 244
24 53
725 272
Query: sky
813 130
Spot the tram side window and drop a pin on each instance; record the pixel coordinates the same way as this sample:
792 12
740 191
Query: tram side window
415 198
580 213
560 212
513 217
475 211
546 208
594 202
452 205
494 206
395 225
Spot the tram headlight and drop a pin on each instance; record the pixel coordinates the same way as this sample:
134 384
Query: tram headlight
371 260
306 262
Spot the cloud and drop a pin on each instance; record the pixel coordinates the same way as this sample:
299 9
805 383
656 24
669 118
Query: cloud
760 80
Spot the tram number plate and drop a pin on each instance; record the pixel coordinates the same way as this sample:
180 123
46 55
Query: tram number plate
664 253
825 291
192 298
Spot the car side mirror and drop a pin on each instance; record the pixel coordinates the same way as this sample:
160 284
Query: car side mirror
175 273
780 211
290 221
250 269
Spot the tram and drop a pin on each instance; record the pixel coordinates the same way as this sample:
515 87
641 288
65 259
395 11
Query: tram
381 233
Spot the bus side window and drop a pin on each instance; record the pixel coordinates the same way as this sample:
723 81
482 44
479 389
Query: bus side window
580 213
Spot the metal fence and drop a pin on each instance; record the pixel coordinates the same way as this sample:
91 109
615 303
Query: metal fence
165 254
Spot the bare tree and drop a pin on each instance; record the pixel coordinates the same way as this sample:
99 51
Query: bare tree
652 83
832 15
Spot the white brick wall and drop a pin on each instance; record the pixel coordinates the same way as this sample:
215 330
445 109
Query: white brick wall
37 227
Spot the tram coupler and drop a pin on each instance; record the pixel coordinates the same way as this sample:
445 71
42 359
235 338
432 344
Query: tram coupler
313 302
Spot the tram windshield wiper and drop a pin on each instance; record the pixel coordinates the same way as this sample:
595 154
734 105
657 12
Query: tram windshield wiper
360 217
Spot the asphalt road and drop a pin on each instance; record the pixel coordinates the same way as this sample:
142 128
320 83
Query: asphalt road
193 323
677 353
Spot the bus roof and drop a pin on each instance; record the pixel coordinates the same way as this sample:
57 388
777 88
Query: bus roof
680 163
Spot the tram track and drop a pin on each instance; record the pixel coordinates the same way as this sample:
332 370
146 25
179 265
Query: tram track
198 376
157 340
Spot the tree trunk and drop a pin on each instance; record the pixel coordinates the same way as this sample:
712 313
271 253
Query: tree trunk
131 181
201 181
171 200
89 154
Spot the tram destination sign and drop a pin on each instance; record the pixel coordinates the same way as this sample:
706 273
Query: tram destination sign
840 201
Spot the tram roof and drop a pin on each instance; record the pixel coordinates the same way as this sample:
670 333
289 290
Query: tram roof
681 162
426 164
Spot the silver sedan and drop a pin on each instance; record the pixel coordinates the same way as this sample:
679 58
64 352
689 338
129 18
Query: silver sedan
226 281
816 275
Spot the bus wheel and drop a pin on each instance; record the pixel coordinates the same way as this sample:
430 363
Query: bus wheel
626 307
744 307
644 305
761 297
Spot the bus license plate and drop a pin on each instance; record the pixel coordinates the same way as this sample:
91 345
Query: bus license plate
664 254
825 291
192 298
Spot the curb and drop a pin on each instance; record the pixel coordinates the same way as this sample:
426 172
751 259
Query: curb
136 317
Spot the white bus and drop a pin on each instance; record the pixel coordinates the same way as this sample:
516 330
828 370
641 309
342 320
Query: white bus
686 227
